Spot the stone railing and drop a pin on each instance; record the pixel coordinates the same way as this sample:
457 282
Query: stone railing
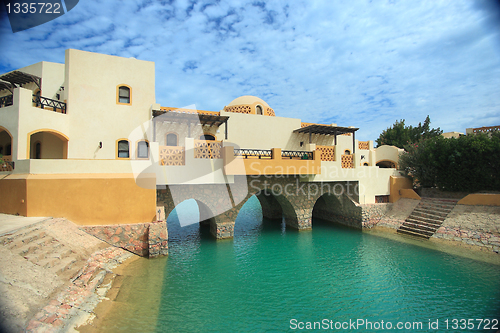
172 155
364 145
207 149
347 161
327 153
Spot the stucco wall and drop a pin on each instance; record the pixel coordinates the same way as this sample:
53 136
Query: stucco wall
91 85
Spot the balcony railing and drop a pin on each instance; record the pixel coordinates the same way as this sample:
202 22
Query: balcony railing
172 155
207 149
364 145
8 164
347 161
47 104
6 101
327 153
253 153
295 154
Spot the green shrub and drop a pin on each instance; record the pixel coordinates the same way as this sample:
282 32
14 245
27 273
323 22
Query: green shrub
468 163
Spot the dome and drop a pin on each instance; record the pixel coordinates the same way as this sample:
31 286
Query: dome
249 105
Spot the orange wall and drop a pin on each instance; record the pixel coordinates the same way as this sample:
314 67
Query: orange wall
83 199
13 195
397 183
481 199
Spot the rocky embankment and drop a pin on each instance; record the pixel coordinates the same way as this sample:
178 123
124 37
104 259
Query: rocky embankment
52 275
477 227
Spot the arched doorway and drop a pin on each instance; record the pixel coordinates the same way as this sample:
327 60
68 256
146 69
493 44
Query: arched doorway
48 144
189 221
5 144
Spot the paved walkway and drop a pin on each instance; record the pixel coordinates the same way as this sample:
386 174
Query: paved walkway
9 223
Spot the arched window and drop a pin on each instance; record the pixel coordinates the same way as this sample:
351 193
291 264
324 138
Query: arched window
123 149
365 164
172 139
38 150
207 137
124 95
258 109
347 152
142 149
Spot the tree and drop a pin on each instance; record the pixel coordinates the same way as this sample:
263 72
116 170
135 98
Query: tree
400 135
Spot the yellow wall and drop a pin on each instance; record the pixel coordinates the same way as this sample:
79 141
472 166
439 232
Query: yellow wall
86 199
409 193
481 199
396 184
13 195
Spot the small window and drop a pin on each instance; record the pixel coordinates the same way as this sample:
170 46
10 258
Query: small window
347 152
142 149
365 164
171 139
123 151
259 109
124 95
207 137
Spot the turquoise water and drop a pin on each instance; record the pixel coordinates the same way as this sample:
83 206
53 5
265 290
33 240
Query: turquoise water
271 279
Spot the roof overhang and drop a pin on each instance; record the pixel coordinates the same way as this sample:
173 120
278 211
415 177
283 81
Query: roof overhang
326 130
189 117
16 79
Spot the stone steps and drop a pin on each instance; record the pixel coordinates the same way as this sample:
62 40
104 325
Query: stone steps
427 217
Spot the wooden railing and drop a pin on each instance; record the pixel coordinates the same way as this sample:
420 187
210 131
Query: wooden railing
347 161
44 103
327 153
172 155
6 101
207 149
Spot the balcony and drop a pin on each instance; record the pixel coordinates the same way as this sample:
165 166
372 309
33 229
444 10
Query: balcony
8 164
270 162
6 101
48 104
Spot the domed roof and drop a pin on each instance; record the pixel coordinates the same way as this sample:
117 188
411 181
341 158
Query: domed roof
248 100
249 105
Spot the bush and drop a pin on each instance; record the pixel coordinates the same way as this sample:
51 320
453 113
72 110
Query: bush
464 164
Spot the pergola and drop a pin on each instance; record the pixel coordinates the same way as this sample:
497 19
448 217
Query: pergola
328 130
189 118
16 79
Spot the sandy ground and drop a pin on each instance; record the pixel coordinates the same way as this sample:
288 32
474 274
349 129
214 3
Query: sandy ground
50 271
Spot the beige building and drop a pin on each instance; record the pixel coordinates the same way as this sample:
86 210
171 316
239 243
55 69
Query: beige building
86 140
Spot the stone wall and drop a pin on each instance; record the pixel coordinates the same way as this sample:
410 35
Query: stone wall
373 213
144 239
396 213
472 225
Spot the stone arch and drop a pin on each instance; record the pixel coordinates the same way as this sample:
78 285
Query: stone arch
327 207
276 207
53 144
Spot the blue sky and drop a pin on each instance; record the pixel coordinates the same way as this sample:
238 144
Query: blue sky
358 62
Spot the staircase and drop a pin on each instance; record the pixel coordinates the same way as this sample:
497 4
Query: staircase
427 217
